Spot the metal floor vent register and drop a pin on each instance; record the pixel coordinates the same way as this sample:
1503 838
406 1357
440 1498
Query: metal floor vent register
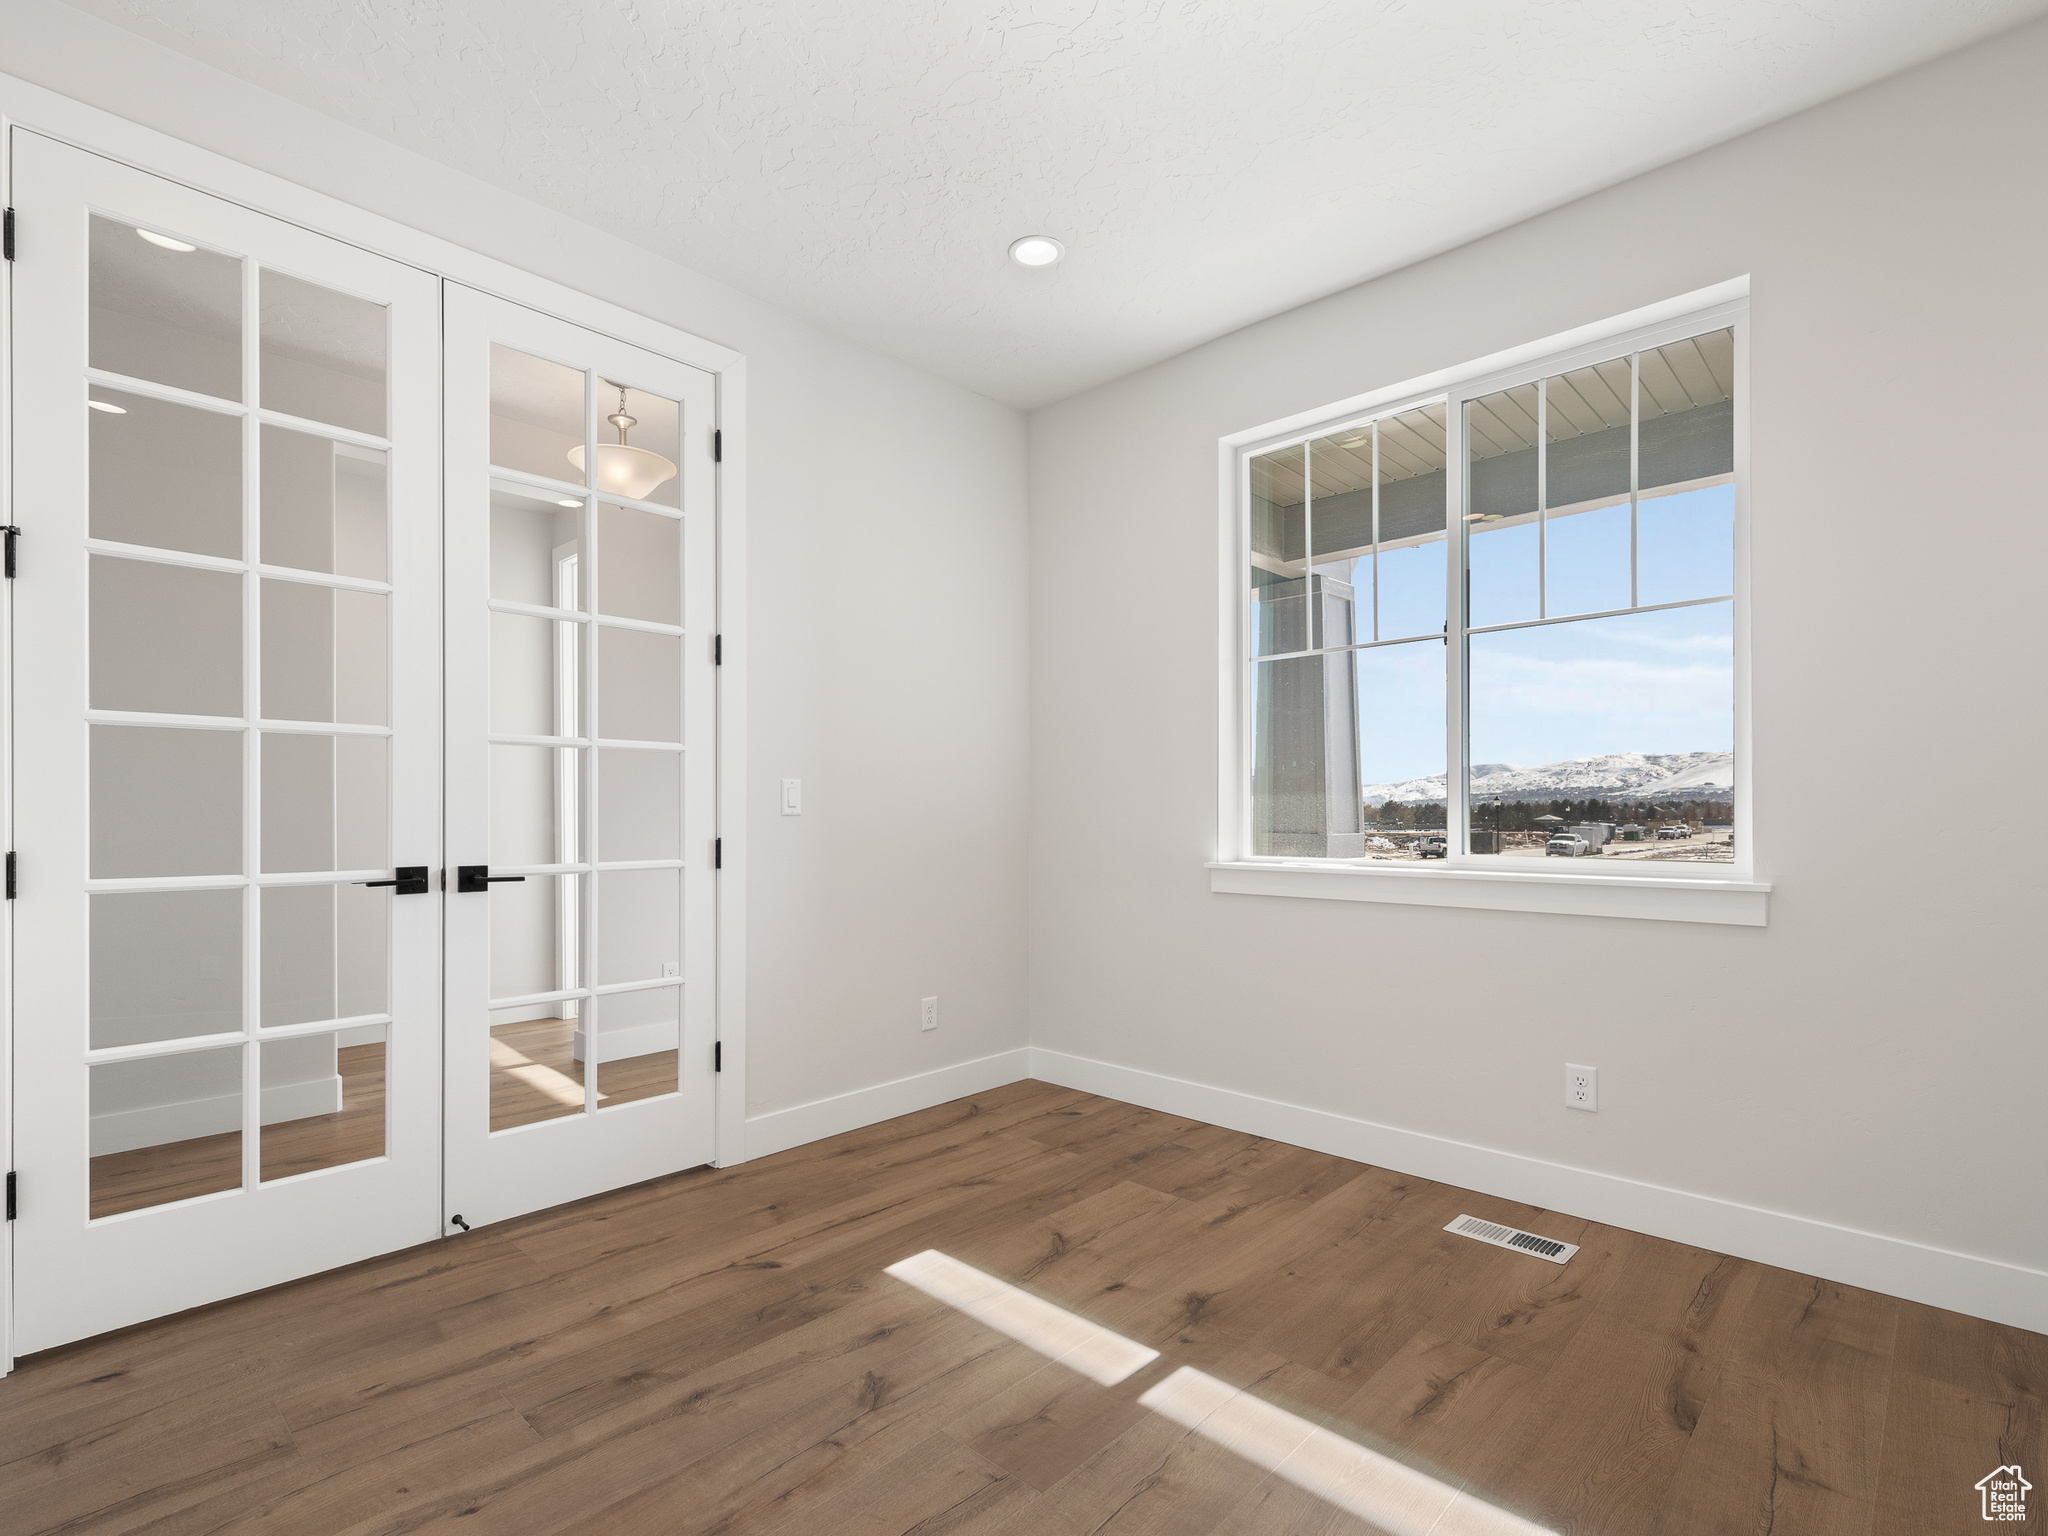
1509 1237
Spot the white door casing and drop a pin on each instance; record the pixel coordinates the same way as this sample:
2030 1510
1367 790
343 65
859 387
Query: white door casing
77 1276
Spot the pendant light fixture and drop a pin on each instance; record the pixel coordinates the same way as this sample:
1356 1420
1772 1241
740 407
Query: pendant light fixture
622 469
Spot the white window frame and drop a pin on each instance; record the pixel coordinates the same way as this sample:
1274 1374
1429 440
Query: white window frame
1718 893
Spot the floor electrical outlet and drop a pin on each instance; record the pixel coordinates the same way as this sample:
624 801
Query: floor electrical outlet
1581 1087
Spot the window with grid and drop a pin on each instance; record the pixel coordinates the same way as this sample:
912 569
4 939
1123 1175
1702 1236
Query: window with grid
1498 625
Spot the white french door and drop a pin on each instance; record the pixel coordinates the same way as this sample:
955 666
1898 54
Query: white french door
580 1013
228 723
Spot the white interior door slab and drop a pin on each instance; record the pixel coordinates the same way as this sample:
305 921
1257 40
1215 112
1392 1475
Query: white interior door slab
580 1012
227 459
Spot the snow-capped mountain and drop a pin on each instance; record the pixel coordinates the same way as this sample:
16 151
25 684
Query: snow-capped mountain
1618 775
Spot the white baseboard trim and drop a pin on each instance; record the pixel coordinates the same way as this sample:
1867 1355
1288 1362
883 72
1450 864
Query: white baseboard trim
1939 1277
780 1129
155 1125
637 1040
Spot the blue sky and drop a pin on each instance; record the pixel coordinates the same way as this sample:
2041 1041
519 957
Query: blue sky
1645 682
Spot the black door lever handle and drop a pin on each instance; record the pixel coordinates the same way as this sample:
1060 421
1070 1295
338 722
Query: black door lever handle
411 881
471 878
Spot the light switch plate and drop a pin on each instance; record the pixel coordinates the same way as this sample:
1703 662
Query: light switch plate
792 797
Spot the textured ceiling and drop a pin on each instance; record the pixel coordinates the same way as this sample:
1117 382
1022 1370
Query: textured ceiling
1208 163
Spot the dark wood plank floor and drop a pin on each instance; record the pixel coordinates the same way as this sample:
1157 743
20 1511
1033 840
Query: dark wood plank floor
722 1352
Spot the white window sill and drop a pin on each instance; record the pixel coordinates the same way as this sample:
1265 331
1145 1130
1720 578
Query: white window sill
1742 902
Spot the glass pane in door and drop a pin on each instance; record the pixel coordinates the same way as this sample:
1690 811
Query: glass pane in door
165 1128
528 952
639 442
165 802
637 1034
535 802
323 1101
322 354
326 803
639 925
639 940
535 1075
165 309
640 555
536 676
641 791
639 685
137 603
537 416
165 475
536 541
326 505
325 952
166 965
325 657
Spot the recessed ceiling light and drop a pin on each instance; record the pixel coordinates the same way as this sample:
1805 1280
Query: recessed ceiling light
111 410
165 241
1036 251
568 503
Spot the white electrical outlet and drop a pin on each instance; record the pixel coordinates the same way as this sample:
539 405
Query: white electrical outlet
1581 1087
671 967
928 1015
792 797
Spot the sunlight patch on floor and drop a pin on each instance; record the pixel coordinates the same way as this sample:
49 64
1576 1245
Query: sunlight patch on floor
1396 1498
1102 1356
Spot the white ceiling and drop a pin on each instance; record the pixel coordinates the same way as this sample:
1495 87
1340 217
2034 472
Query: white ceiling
1207 163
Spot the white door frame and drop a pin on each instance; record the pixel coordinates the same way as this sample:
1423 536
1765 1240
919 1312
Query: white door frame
23 104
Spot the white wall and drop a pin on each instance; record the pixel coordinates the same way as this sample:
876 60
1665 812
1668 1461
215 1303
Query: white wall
1872 1059
886 598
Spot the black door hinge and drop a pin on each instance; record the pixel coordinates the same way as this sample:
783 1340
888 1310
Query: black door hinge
12 534
718 853
718 650
10 234
717 1065
717 434
10 876
10 1197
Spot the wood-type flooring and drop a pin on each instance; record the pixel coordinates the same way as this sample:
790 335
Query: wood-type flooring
722 1351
